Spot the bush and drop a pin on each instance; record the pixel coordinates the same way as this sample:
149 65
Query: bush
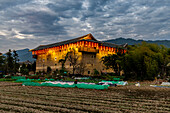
25 71
96 72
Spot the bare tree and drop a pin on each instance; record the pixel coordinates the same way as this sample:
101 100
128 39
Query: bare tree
81 68
73 59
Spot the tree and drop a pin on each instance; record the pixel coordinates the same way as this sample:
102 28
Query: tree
164 59
24 69
2 63
113 61
73 59
145 61
96 72
63 61
33 67
10 63
142 62
16 60
29 67
81 67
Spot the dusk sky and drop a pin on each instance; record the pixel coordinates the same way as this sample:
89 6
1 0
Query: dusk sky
30 23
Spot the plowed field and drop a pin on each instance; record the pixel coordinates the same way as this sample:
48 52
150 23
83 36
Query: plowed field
32 99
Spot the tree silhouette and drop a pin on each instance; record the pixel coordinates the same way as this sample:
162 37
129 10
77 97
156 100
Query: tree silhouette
16 60
10 63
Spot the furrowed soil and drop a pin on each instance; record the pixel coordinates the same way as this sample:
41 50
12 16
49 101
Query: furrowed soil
131 99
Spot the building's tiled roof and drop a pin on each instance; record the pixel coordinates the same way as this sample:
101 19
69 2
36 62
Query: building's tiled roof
76 40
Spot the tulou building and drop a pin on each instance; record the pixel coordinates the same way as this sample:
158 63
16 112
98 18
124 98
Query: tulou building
88 50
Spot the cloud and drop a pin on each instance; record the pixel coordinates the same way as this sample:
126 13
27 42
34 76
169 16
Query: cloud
29 23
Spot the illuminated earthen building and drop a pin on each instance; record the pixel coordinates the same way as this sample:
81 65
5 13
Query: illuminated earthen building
89 50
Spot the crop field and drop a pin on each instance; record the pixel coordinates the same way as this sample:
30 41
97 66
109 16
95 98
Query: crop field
34 99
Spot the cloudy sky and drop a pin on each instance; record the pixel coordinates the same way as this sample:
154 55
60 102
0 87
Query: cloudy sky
29 23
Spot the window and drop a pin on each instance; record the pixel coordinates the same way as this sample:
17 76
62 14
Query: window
88 72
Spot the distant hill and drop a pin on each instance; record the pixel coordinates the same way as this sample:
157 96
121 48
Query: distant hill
25 55
133 42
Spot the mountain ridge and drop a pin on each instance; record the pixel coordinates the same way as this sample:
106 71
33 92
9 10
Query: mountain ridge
25 55
131 41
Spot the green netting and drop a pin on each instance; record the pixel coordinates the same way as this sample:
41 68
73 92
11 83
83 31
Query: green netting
68 86
31 84
58 85
46 84
84 86
29 80
51 79
113 82
90 86
116 82
38 79
23 80
18 77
